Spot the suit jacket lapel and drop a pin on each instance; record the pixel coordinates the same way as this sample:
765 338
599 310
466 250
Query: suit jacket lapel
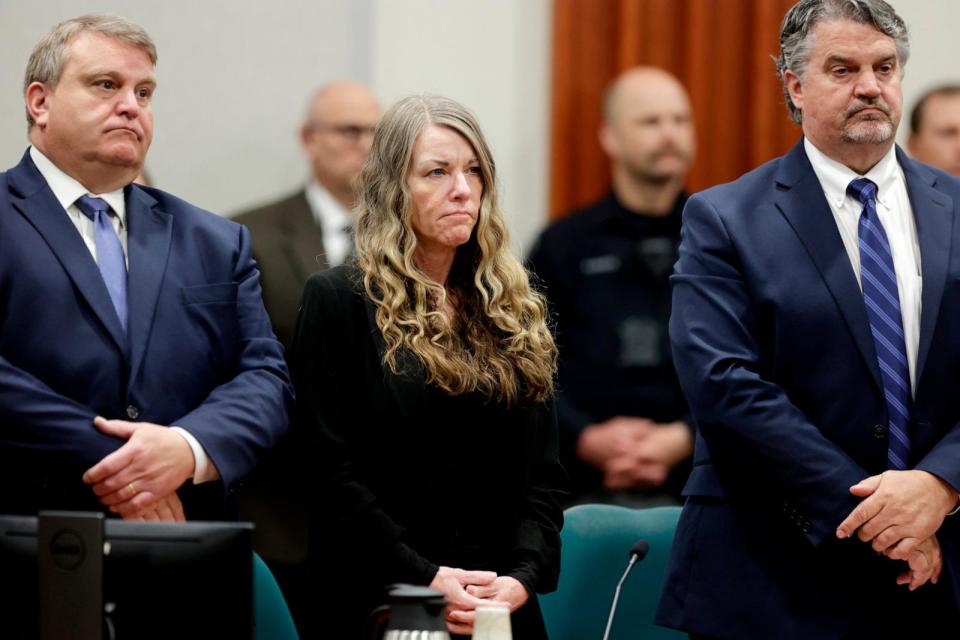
803 204
304 239
934 213
149 233
33 198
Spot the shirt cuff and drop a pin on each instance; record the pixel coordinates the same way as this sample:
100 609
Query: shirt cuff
203 468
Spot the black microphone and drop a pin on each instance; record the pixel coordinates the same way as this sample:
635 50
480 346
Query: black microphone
639 549
637 553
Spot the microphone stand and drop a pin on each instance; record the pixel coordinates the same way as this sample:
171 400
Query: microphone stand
616 595
637 552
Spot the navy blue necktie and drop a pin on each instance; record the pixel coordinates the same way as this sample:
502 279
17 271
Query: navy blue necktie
882 302
110 259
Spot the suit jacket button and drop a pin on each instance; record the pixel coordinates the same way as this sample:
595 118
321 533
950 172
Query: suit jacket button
879 431
132 411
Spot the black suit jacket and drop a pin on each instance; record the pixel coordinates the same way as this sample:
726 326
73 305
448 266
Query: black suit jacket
405 477
288 247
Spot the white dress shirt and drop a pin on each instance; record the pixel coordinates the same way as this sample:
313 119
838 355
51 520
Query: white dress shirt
66 190
896 216
334 220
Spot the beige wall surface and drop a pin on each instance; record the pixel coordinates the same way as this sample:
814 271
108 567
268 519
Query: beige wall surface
494 57
934 49
234 77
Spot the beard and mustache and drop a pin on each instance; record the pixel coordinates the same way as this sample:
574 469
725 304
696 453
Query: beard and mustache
873 129
646 171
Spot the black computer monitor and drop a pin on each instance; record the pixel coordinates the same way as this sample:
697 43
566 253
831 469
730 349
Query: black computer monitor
159 580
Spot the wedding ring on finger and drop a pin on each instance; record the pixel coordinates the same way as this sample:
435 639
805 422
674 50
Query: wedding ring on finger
133 489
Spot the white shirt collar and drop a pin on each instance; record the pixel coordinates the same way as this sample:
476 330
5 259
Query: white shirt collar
66 189
834 176
332 216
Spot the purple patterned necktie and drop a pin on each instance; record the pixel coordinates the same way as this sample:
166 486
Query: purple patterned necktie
882 302
110 258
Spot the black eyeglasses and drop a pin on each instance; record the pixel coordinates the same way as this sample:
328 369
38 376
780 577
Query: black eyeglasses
352 132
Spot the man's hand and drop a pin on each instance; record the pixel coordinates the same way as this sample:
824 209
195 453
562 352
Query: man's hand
601 442
168 509
925 562
453 583
154 463
635 452
628 472
900 508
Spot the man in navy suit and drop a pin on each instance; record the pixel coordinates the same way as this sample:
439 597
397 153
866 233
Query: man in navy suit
138 370
815 331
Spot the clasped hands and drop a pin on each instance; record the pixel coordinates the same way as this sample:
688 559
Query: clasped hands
139 480
899 516
467 590
634 452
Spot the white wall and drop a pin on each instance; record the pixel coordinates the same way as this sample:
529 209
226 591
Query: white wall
234 79
492 56
235 76
934 49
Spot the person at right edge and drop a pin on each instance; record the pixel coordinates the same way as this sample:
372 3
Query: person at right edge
425 373
815 311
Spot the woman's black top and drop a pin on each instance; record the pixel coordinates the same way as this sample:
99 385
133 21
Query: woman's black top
404 478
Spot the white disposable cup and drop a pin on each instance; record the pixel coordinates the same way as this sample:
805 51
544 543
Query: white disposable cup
492 623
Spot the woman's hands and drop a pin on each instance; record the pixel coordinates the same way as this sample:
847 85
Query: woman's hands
503 589
467 590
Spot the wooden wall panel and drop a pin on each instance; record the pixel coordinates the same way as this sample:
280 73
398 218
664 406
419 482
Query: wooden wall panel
720 49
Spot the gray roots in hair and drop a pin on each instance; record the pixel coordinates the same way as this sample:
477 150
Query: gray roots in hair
796 33
50 54
498 343
383 190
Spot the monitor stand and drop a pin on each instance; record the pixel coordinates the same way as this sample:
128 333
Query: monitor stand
70 562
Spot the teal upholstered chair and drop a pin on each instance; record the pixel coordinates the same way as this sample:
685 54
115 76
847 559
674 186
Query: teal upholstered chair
271 614
596 543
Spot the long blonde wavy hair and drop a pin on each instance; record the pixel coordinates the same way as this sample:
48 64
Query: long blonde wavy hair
497 343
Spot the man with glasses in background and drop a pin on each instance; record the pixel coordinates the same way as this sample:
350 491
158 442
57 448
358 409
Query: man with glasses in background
304 232
310 230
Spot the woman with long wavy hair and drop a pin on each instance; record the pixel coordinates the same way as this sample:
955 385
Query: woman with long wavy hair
424 375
